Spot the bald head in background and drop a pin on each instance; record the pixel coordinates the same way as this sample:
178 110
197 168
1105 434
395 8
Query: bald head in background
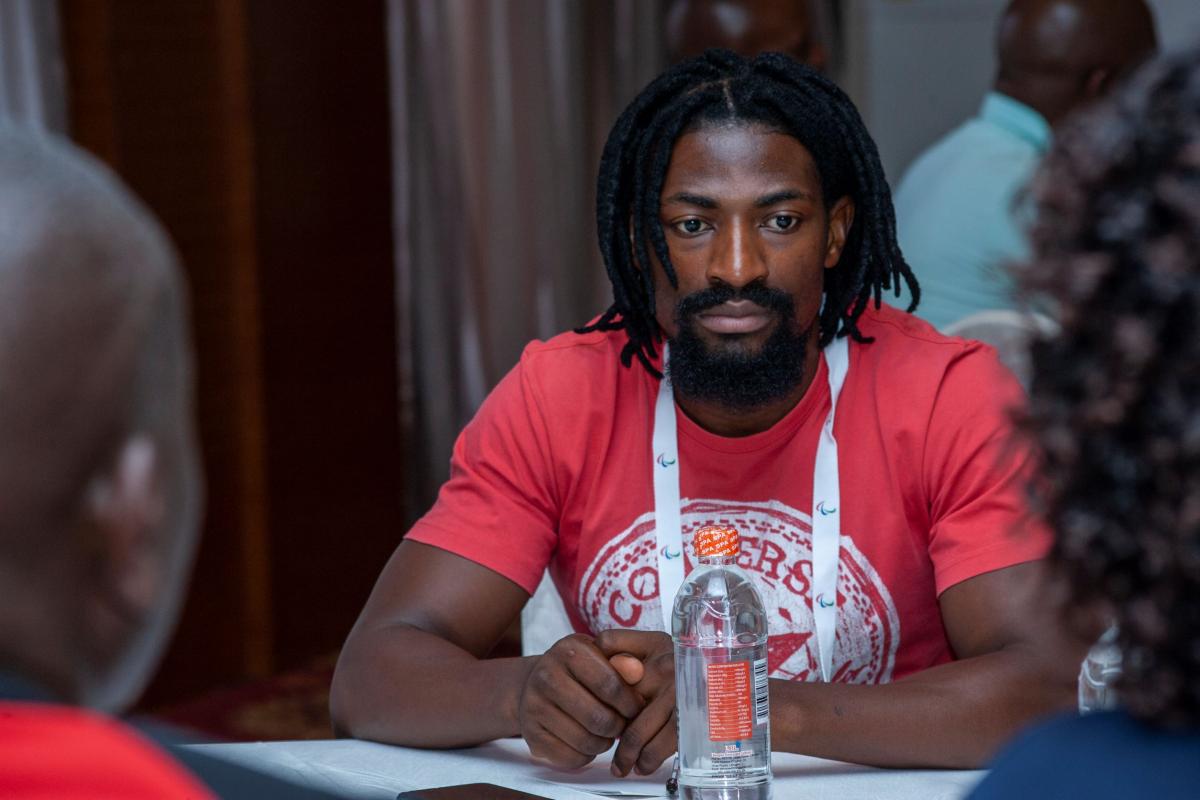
748 27
1056 55
99 474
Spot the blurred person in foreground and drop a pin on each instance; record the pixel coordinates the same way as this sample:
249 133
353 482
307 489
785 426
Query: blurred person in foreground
1115 406
745 222
958 213
747 27
99 483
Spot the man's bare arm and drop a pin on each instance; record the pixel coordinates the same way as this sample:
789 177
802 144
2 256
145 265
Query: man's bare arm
420 635
412 671
1015 664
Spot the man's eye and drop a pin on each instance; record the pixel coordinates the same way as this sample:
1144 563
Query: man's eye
690 226
782 222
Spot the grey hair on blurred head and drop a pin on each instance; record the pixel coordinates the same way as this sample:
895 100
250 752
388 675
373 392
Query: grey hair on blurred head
93 352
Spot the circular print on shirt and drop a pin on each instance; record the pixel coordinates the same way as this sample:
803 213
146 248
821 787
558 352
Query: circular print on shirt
620 588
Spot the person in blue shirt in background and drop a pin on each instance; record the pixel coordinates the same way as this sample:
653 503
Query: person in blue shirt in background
1115 407
957 214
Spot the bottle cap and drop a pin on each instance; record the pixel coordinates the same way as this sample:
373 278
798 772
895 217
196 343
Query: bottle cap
716 540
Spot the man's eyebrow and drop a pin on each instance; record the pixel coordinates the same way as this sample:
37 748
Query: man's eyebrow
778 197
691 200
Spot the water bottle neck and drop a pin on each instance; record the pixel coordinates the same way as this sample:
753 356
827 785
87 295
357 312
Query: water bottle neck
716 561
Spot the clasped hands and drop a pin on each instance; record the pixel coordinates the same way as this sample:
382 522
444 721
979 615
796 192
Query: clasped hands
583 694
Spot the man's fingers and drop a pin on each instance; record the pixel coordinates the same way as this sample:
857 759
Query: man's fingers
576 661
641 737
544 745
581 705
592 670
658 675
571 733
639 644
661 747
628 667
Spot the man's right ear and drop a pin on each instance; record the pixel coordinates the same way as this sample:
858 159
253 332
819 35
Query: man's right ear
841 219
126 508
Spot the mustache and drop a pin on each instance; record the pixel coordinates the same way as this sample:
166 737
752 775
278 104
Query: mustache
774 300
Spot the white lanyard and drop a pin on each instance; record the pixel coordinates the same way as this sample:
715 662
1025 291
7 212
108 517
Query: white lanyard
826 533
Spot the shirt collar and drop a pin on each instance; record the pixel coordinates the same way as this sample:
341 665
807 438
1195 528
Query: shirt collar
1016 118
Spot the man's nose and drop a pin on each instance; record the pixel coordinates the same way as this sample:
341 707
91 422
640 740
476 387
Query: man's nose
738 259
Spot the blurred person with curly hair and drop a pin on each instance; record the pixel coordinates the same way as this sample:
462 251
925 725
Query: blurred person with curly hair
1115 407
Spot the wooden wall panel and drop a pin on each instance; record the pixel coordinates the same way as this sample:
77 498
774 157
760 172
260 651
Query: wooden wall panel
148 93
320 97
257 131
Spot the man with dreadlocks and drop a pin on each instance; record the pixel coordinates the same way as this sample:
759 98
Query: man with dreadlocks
749 236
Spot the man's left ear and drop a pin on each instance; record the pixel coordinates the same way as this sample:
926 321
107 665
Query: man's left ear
127 508
841 217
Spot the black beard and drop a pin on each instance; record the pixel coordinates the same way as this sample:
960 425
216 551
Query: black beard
730 376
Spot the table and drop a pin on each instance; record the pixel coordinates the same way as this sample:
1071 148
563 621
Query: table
378 772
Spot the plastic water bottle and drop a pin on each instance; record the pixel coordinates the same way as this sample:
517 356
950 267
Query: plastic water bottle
720 633
1099 673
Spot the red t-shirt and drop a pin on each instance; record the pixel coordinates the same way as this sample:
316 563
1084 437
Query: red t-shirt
62 753
555 470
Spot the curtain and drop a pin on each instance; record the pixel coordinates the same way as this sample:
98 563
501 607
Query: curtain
32 76
499 113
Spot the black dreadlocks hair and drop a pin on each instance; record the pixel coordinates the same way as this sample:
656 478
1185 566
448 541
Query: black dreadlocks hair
722 87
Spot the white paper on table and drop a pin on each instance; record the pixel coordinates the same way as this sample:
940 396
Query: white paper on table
793 776
378 772
595 778
374 771
291 762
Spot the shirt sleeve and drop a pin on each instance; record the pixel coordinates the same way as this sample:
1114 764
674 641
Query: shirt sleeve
500 507
977 468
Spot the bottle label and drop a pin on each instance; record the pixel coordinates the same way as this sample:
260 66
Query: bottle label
761 713
730 709
733 762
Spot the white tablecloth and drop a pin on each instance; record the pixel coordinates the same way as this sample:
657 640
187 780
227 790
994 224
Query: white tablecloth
368 770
